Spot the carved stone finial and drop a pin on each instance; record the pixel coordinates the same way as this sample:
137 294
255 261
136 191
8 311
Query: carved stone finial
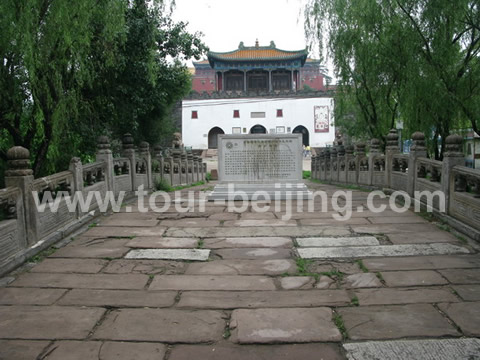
360 148
392 138
103 143
177 141
375 145
418 141
453 145
144 147
257 45
127 141
18 160
333 153
272 44
341 149
241 45
349 149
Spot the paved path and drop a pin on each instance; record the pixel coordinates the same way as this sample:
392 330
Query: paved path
99 297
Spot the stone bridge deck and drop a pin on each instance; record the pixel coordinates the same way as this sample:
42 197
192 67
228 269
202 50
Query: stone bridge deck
377 286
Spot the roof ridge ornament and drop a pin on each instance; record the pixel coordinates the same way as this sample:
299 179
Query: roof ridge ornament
257 45
241 46
272 44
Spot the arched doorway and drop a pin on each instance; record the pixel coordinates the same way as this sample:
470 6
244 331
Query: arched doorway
213 137
305 135
258 129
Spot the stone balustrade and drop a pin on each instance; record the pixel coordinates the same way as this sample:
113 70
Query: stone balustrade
25 230
409 173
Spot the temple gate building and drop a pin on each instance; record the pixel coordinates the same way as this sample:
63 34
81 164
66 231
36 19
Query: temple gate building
258 89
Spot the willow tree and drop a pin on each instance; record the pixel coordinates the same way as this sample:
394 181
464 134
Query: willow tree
414 60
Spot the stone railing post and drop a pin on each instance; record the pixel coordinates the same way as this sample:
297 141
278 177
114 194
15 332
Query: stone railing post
348 157
323 165
76 168
190 167
334 164
374 152
390 150
20 175
144 152
417 150
169 160
313 166
359 154
340 161
204 170
328 165
128 151
183 167
177 167
198 168
105 154
158 156
453 156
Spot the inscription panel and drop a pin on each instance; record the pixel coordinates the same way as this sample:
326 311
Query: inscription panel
260 158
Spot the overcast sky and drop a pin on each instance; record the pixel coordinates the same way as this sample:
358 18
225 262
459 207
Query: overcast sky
225 23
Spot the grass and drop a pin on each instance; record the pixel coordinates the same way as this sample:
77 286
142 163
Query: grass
354 301
307 174
335 274
200 244
181 187
338 320
362 266
92 225
151 276
380 276
42 255
303 266
227 333
208 177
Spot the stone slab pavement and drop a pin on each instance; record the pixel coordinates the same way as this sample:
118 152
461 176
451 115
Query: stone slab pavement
400 288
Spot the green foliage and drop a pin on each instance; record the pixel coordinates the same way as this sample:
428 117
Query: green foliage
362 266
307 174
73 70
415 61
162 185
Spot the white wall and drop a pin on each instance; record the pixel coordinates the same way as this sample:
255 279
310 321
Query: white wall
219 112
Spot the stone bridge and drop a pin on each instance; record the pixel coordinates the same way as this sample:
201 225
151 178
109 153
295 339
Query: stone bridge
206 280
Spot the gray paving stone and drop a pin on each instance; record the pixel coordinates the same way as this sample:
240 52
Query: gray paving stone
162 325
254 253
395 322
296 282
47 322
381 250
149 267
422 237
413 278
262 299
111 231
29 296
190 222
385 296
257 216
324 282
339 241
242 267
332 221
82 266
264 222
109 350
466 315
468 292
462 276
395 228
111 248
441 349
414 219
248 242
4 281
82 281
218 232
128 222
291 325
257 352
423 262
211 282
169 254
223 216
362 280
146 242
119 298
21 349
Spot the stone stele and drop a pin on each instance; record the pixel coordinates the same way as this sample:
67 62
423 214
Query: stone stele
259 167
